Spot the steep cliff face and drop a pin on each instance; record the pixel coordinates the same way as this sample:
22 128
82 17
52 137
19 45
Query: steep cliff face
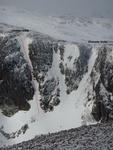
53 81
73 64
16 86
102 80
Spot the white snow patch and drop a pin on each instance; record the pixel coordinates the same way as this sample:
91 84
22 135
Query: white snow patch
70 54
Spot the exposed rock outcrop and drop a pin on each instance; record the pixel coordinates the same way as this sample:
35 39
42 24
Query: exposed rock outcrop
16 86
102 81
41 55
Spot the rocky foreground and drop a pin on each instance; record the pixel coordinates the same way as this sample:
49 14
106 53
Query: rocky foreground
94 137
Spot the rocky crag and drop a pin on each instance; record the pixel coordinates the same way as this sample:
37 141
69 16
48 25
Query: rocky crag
73 62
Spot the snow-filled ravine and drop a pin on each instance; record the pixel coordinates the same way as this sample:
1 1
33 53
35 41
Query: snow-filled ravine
72 112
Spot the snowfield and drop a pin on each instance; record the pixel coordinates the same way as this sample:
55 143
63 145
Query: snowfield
61 28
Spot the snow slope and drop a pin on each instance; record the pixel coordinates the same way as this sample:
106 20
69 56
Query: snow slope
65 28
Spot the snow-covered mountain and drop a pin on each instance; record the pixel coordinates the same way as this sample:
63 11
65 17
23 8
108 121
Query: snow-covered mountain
51 78
63 27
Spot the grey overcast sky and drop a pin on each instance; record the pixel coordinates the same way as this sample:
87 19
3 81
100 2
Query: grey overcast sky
88 8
